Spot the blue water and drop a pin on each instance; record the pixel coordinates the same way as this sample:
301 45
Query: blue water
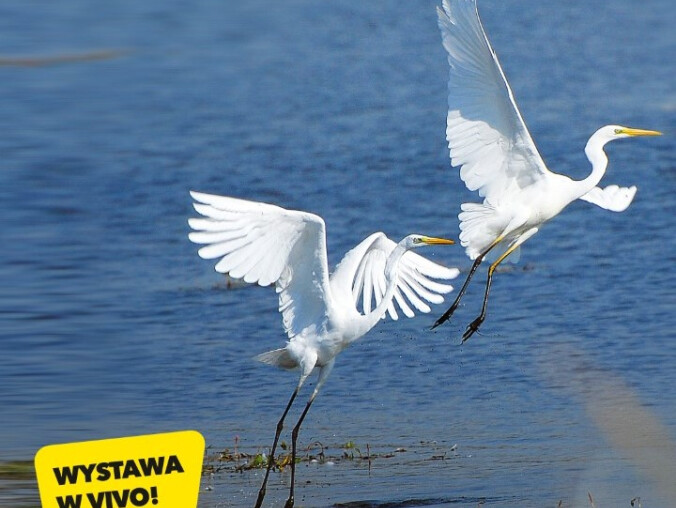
112 326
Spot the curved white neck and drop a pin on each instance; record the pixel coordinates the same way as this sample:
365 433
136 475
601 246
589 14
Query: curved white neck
599 162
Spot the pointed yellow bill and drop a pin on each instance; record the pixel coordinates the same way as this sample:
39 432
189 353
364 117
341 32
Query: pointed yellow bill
639 132
430 240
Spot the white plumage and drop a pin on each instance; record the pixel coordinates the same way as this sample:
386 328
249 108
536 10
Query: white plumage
322 314
612 197
265 244
489 142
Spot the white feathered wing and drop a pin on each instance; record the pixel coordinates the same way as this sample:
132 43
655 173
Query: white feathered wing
362 272
265 244
486 135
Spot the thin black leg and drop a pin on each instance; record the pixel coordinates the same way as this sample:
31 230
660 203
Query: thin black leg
474 325
447 315
271 458
294 440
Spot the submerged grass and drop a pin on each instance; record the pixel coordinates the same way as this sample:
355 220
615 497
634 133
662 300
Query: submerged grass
17 469
236 460
18 484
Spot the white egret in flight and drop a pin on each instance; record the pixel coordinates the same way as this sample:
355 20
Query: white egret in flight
322 314
490 143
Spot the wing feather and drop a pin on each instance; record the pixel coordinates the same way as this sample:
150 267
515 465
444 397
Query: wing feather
486 135
358 285
613 197
397 301
249 266
420 289
367 288
265 244
413 298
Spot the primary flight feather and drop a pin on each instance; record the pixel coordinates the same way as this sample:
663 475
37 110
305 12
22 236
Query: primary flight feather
489 142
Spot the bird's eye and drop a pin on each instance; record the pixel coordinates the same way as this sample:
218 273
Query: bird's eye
417 240
618 131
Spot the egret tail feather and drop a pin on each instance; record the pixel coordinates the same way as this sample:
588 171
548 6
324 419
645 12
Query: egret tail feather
278 357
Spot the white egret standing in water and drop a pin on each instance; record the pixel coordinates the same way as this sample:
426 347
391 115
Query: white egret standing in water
497 157
263 243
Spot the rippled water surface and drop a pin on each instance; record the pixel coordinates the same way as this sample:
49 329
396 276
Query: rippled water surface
112 326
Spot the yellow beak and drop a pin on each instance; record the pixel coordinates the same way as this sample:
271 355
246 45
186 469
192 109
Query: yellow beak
639 132
430 240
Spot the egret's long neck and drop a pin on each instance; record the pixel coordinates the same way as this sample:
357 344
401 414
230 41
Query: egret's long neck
391 270
599 162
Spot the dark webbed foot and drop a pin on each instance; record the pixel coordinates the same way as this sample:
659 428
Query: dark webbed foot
446 316
472 328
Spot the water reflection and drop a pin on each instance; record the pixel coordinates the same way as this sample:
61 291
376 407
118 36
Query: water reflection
633 431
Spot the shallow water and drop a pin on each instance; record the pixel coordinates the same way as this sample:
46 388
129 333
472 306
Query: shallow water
113 326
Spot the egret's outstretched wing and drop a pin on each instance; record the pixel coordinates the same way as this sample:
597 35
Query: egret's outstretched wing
362 272
486 134
263 243
613 197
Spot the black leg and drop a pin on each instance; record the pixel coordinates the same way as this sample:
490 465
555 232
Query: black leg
474 325
271 458
294 440
447 315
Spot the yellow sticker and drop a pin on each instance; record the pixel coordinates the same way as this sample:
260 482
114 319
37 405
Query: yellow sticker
154 470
